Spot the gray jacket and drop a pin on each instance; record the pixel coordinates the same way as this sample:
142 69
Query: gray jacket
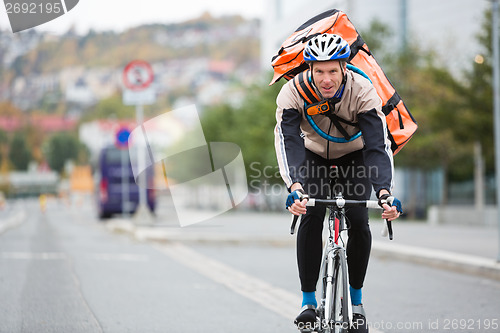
359 104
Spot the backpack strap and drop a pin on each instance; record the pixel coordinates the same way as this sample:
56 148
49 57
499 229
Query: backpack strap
314 105
391 105
304 87
336 122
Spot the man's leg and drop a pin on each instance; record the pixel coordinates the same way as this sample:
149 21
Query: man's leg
309 247
357 186
309 234
314 173
354 183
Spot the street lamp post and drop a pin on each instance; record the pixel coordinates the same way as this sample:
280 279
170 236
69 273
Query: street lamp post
496 106
142 215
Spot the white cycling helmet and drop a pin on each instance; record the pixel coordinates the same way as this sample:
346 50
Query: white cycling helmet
327 47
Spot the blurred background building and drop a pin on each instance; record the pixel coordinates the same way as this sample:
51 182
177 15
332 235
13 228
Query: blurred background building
447 26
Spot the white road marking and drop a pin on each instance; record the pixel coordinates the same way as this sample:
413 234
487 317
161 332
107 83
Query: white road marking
280 301
12 221
64 256
273 298
118 257
33 255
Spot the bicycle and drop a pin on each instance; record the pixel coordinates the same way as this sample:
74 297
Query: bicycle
334 311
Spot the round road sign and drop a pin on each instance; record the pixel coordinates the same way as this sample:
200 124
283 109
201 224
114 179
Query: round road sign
138 75
121 139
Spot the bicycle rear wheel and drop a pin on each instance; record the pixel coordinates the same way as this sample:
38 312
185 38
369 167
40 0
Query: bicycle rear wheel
338 318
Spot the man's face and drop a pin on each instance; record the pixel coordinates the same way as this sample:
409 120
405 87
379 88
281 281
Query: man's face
327 76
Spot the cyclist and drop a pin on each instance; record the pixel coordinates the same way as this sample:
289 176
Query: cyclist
306 154
42 199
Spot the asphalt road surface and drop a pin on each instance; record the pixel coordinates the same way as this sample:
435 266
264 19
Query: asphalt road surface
63 271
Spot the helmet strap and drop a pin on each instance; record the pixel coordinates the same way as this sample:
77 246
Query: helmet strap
338 94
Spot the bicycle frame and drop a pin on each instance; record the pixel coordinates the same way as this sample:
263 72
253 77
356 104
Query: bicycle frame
334 255
335 309
333 271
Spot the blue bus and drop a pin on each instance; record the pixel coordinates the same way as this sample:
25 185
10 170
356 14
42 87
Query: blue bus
114 196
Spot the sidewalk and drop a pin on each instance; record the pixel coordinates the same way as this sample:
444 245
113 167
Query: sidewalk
461 248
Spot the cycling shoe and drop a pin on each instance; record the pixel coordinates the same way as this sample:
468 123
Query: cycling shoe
306 320
359 323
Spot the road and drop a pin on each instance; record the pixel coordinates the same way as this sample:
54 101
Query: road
63 271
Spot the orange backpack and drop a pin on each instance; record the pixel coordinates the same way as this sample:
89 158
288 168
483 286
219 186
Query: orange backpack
290 61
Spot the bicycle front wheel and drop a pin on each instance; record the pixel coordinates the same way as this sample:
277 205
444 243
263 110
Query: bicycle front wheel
339 316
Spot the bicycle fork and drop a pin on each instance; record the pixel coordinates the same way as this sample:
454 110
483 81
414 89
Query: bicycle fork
329 287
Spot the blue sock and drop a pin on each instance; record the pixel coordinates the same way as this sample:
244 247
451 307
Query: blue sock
356 296
309 297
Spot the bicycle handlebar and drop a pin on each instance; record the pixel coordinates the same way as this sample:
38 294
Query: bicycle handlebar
341 203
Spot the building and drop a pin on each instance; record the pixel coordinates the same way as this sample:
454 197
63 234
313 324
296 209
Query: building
79 93
44 123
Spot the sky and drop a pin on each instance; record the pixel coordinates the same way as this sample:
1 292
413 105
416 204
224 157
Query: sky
119 15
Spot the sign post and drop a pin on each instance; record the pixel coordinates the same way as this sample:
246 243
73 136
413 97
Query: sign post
138 77
121 143
496 104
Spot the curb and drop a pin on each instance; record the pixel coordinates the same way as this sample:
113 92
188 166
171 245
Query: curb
461 263
176 234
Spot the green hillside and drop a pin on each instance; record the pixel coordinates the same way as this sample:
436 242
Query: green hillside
230 37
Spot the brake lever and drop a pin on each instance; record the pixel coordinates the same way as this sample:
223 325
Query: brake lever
387 230
388 224
302 196
295 219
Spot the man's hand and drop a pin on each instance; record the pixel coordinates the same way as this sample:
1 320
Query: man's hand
297 200
391 211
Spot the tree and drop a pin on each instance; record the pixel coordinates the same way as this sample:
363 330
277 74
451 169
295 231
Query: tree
34 137
250 126
4 152
453 114
111 107
478 92
438 101
376 36
19 153
62 147
3 137
9 109
431 94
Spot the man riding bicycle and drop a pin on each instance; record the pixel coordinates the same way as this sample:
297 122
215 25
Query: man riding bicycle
347 131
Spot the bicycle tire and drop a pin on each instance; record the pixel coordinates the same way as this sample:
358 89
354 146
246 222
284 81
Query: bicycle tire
335 314
340 312
327 293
